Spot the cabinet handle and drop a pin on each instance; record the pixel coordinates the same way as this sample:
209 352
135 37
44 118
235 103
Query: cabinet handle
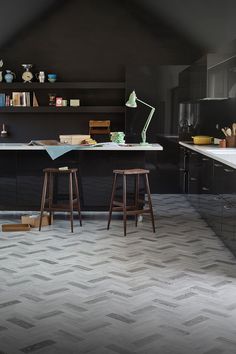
193 179
217 198
193 153
227 170
205 189
181 169
217 165
205 159
227 207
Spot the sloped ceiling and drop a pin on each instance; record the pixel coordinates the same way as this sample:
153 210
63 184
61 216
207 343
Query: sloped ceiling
16 16
206 23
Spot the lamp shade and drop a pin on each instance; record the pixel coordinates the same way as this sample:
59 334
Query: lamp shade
132 100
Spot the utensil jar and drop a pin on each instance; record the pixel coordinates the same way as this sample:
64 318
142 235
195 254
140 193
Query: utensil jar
230 141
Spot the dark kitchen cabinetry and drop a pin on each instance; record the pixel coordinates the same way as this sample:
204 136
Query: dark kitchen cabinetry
8 179
193 81
183 170
21 176
194 169
221 80
212 191
205 188
225 191
217 81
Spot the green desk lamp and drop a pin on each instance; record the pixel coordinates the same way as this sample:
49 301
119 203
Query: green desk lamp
133 104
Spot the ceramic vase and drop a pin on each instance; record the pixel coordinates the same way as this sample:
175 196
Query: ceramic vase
9 76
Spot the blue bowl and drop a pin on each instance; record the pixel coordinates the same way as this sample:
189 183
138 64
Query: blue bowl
52 76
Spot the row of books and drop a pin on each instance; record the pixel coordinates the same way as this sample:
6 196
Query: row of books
18 99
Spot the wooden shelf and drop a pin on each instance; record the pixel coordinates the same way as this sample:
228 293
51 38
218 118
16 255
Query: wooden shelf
81 109
61 85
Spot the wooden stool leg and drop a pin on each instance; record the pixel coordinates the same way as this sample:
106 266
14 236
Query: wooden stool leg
77 197
112 199
71 201
124 204
50 197
136 197
150 202
44 192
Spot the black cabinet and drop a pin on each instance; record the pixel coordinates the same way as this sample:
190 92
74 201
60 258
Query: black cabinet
212 192
227 191
194 170
205 190
221 79
8 179
228 225
217 85
183 170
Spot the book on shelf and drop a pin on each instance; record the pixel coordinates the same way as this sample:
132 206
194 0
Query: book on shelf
8 100
21 99
2 99
35 101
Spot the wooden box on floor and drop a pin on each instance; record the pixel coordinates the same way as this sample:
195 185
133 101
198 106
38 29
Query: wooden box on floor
15 227
33 220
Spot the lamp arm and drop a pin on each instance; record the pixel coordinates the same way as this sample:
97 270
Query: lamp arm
146 125
146 104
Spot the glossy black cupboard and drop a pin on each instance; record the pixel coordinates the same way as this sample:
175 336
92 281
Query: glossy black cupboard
212 192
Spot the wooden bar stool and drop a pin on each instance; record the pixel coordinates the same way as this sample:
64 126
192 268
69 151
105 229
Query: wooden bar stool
131 209
47 201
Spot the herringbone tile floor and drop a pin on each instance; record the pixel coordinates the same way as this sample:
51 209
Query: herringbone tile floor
97 292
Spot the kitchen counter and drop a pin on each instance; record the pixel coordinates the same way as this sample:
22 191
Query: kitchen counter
21 175
55 151
100 147
224 155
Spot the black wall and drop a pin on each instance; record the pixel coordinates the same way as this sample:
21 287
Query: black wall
95 41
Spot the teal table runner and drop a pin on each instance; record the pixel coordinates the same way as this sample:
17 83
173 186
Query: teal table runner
55 151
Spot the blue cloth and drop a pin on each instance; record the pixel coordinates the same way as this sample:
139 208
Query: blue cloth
55 151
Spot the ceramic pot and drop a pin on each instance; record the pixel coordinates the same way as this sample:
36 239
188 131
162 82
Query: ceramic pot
202 140
118 137
9 76
231 141
41 76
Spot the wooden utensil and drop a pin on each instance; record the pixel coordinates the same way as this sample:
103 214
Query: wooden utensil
223 130
228 132
234 128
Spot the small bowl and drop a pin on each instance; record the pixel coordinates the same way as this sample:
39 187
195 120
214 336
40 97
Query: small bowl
51 80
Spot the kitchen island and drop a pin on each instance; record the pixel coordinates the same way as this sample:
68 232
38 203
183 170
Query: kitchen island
21 173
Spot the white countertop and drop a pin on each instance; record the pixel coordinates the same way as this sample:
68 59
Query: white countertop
224 155
105 147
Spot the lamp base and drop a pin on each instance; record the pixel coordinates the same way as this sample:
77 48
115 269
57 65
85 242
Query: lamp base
144 144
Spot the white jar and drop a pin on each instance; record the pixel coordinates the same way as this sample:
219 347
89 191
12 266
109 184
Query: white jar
41 76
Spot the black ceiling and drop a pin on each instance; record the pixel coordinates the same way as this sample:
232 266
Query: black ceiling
17 15
207 23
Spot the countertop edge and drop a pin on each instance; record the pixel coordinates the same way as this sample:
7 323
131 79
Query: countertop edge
204 151
153 147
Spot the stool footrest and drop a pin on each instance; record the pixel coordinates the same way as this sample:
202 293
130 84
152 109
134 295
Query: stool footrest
115 202
57 207
132 211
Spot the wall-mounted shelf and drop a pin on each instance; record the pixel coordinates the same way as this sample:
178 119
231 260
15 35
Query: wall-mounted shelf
61 85
81 109
99 100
